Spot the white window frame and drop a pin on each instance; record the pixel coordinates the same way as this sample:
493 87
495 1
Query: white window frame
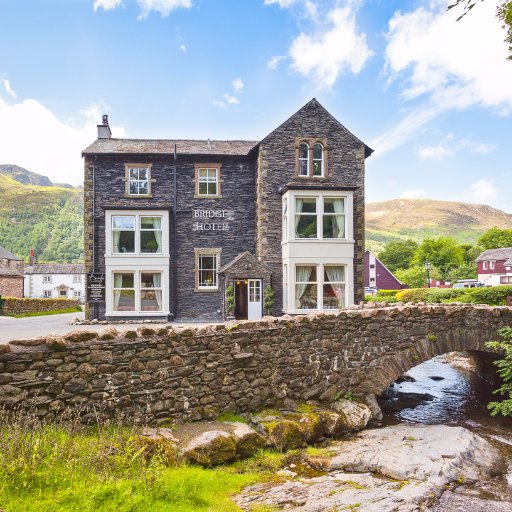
77 278
208 180
322 214
321 160
199 254
47 294
129 180
302 159
484 265
77 293
47 279
109 219
320 281
492 265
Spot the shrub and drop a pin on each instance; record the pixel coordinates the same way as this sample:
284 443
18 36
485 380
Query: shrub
495 296
503 407
412 295
388 293
439 295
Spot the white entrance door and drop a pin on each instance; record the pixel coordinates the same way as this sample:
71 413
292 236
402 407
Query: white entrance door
255 307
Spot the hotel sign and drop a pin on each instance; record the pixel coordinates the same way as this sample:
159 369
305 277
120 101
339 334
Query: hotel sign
95 288
212 220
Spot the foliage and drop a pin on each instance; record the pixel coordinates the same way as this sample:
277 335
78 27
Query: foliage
443 253
504 369
412 295
416 276
495 296
398 254
268 299
496 238
68 467
465 271
230 299
46 219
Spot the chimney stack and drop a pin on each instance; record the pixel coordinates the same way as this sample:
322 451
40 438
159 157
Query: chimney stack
104 129
32 259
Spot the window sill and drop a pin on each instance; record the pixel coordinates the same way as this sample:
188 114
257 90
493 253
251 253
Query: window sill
200 196
138 196
320 240
112 314
206 290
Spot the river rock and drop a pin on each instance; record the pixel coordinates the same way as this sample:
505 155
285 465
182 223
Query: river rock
404 468
211 448
355 415
248 441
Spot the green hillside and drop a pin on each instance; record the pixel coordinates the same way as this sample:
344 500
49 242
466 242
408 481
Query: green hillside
48 219
400 219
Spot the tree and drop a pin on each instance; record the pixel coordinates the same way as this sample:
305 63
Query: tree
465 271
503 13
470 254
504 365
496 238
416 277
398 254
443 253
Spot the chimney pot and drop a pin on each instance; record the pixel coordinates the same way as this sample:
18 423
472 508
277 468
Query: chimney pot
104 129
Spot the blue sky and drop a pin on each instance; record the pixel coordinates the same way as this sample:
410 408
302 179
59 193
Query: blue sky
433 97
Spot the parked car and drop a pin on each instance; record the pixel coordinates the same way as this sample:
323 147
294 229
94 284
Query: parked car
468 283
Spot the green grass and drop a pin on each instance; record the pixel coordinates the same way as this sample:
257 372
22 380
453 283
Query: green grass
61 468
231 417
47 313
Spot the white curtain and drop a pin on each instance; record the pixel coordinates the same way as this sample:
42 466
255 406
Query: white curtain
302 274
298 209
116 235
118 283
158 238
336 276
339 209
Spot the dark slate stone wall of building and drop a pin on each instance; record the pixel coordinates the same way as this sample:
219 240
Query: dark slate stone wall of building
238 194
192 374
276 168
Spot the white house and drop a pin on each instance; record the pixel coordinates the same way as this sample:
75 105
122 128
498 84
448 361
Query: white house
494 266
55 280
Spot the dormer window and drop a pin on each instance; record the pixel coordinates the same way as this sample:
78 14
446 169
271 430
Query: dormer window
318 160
304 160
311 158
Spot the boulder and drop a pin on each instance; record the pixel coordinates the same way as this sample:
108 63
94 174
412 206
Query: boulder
284 434
55 341
248 441
158 443
211 448
310 423
354 415
109 333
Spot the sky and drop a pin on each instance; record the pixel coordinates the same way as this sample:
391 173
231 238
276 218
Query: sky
431 96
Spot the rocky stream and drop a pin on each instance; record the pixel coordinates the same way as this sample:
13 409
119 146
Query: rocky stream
437 450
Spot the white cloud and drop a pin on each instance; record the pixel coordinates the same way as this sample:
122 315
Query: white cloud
311 8
281 3
238 85
336 47
164 7
34 138
457 63
219 104
274 61
483 191
412 194
8 89
232 100
448 64
183 48
106 4
451 145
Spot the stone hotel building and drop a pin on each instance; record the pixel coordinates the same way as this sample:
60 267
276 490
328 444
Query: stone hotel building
200 229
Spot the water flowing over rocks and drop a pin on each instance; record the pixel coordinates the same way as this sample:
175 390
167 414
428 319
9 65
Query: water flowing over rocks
404 468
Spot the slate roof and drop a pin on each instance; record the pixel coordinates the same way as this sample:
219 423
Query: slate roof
55 268
166 147
503 253
7 272
4 253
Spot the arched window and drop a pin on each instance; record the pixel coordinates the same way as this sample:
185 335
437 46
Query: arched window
304 160
318 160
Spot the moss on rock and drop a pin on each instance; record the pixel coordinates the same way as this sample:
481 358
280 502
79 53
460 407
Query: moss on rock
285 434
211 448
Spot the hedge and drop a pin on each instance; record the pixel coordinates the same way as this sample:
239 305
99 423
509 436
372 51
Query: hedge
495 296
14 306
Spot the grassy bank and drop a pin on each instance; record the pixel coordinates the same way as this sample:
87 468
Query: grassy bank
47 313
61 468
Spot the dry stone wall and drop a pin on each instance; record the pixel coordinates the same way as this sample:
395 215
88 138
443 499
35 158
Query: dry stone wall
190 374
17 306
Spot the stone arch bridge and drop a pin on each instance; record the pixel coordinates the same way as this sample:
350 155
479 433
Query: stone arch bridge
148 375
